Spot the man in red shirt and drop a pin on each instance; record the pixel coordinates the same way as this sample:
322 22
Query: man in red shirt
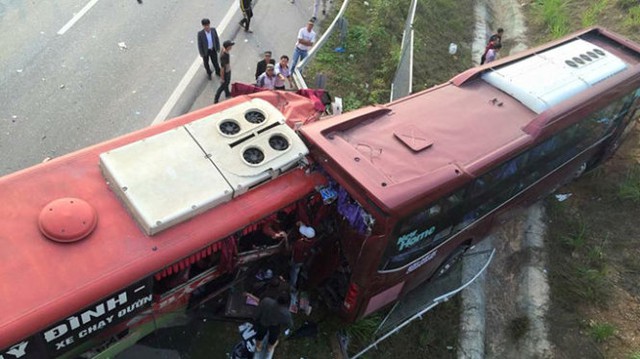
300 252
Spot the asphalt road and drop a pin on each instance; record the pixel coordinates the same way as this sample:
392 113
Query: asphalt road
65 84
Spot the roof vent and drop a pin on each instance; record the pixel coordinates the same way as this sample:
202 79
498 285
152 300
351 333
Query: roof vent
67 220
255 117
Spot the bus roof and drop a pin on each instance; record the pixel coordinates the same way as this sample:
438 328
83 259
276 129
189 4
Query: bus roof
44 281
401 152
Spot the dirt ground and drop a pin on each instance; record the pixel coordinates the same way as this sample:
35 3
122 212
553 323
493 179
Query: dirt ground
594 281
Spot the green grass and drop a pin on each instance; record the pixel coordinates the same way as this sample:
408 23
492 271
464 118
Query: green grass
629 188
632 20
576 239
362 331
363 74
591 15
634 355
626 4
601 332
554 16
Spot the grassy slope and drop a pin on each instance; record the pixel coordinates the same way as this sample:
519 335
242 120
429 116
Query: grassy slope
363 74
593 237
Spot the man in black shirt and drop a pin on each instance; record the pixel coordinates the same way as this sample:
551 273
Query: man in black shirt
261 66
247 13
270 315
225 71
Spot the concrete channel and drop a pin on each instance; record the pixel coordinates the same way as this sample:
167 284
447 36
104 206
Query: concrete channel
515 287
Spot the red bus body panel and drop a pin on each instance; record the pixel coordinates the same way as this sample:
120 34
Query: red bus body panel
45 281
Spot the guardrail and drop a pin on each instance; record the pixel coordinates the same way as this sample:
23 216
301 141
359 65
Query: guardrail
440 299
297 73
403 78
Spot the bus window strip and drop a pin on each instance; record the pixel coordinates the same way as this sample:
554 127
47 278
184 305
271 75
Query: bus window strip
213 270
525 187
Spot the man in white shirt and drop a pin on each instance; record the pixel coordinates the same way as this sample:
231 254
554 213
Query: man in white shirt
283 73
306 38
267 79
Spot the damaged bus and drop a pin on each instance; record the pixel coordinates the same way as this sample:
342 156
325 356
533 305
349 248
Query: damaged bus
107 244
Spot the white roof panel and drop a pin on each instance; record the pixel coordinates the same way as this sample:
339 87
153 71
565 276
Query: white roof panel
164 179
550 77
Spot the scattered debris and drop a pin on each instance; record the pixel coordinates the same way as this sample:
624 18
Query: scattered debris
453 48
19 71
62 86
46 159
563 197
122 46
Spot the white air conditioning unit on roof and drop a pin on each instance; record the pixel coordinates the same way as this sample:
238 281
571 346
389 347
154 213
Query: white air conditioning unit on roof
238 122
248 143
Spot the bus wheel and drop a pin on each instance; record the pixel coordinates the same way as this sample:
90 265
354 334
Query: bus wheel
451 261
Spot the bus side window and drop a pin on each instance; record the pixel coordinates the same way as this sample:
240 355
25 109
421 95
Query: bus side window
424 230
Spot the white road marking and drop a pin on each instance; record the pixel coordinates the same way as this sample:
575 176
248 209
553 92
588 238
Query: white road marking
177 93
77 17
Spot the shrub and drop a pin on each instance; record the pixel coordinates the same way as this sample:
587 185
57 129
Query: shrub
600 332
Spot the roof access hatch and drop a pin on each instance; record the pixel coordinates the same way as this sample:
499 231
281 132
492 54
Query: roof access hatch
164 179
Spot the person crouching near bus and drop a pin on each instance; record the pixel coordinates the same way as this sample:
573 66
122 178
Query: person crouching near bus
275 229
301 250
270 315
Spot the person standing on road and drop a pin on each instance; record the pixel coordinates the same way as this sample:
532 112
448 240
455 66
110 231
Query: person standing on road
225 71
209 46
261 66
247 13
306 38
283 73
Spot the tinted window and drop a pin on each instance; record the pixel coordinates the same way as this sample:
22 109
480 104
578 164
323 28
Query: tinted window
424 230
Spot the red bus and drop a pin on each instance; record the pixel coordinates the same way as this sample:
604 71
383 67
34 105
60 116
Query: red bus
105 245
